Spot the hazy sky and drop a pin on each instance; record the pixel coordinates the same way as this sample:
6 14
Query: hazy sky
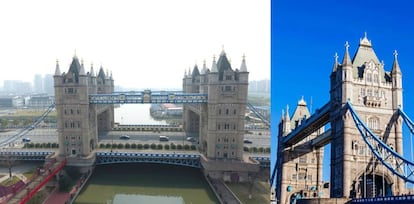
147 44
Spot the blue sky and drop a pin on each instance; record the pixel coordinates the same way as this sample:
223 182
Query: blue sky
306 35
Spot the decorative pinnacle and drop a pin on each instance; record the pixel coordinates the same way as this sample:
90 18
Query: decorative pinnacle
346 45
336 57
365 34
395 54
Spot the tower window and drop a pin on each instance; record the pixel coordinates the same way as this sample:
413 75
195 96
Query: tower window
373 123
227 88
369 92
369 77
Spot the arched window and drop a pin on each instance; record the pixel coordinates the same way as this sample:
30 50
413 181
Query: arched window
369 77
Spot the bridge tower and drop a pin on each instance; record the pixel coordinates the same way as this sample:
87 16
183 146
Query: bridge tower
376 95
220 122
78 121
300 173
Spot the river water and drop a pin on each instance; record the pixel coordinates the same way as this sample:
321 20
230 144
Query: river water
146 183
133 114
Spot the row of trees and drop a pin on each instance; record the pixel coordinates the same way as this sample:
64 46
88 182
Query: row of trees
171 146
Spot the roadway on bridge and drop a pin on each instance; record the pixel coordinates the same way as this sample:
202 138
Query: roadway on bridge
259 138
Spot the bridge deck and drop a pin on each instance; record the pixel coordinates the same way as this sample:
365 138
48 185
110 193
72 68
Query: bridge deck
308 126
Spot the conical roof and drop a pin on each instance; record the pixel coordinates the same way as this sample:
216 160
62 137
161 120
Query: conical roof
395 66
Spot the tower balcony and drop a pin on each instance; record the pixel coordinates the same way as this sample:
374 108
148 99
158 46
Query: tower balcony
372 101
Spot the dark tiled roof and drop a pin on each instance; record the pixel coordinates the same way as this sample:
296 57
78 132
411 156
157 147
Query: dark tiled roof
223 64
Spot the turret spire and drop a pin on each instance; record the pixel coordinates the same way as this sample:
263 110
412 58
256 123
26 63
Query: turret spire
214 65
222 51
82 69
204 70
335 62
57 71
347 59
287 117
92 71
243 67
395 65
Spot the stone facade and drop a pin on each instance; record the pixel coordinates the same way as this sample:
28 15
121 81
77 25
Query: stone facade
300 164
79 121
376 95
220 122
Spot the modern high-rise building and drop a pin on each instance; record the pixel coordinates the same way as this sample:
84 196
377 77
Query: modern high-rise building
38 84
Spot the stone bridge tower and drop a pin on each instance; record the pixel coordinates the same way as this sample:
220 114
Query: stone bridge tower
300 167
375 95
220 122
79 121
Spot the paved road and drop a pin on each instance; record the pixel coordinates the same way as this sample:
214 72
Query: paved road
45 135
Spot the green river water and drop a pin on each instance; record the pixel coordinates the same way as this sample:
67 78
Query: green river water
146 183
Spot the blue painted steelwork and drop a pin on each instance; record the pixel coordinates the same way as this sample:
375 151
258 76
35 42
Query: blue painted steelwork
190 160
308 126
29 128
393 199
264 161
396 163
25 155
147 96
407 120
259 115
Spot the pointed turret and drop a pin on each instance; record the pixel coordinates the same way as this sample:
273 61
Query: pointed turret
204 70
287 128
347 59
101 73
364 41
214 65
243 67
189 72
395 65
57 70
287 117
196 72
335 62
82 69
92 71
185 73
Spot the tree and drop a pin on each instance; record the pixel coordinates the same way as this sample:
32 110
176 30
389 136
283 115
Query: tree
3 123
10 160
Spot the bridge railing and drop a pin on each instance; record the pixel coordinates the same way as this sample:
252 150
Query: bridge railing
391 199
